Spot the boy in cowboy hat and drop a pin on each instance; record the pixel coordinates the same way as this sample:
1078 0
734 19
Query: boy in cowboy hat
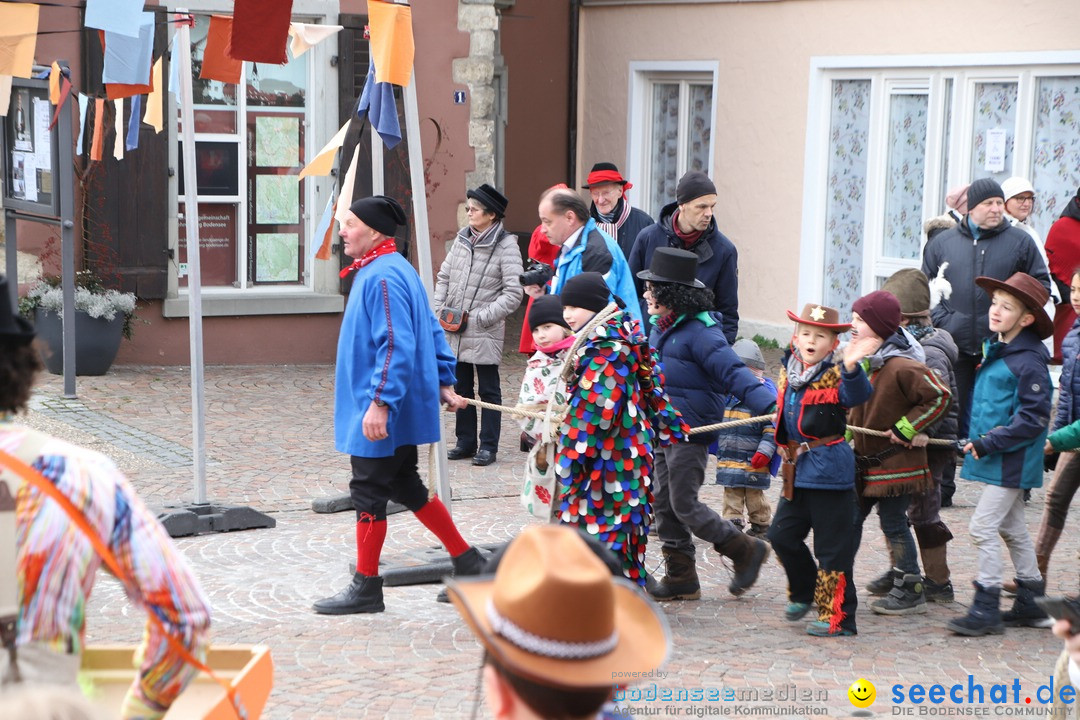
700 371
539 662
1010 411
816 389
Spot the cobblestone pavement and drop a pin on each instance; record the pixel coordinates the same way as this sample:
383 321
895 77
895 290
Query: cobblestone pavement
269 446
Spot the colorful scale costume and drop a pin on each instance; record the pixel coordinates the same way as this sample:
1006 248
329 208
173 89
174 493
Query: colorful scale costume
617 411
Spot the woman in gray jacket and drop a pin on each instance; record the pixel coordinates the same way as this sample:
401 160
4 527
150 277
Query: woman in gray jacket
478 282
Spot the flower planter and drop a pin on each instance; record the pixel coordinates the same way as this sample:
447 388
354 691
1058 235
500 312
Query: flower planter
96 341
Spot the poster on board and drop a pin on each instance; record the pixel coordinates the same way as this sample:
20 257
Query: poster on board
29 150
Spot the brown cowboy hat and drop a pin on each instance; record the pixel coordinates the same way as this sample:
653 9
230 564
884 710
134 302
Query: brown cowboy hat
1029 291
553 614
820 316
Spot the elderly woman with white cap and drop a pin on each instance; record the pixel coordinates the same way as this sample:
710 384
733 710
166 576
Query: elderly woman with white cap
1019 207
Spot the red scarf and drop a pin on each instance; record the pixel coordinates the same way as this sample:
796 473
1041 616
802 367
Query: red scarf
386 247
687 238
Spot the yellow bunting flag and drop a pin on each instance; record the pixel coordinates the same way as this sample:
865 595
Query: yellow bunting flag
152 116
18 38
323 163
391 41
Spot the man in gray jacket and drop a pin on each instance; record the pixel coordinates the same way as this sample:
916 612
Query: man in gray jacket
983 243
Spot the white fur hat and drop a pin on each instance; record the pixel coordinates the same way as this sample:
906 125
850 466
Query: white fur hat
1016 185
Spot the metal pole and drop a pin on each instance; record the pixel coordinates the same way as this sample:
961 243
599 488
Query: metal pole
423 255
66 187
191 222
11 259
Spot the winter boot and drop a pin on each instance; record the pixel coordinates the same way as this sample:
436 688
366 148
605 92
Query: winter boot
364 595
470 562
883 584
936 584
1024 612
748 554
758 530
906 597
984 615
680 581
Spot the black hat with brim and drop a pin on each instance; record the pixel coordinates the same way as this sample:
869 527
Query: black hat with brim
490 198
672 265
13 327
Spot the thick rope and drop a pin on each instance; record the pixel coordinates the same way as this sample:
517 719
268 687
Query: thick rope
520 412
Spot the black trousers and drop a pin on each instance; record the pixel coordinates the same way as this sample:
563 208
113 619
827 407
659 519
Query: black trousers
964 367
833 515
487 378
377 481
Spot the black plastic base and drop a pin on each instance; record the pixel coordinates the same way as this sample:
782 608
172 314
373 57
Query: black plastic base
434 566
198 519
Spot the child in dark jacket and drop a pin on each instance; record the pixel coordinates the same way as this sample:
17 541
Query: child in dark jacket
1010 411
816 389
908 398
912 289
700 370
746 457
1067 472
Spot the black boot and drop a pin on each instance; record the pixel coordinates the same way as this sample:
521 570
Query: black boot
364 595
748 554
906 597
984 615
1024 612
680 581
883 584
470 562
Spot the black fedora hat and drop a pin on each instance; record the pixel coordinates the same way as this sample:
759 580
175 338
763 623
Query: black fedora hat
605 172
490 198
12 325
672 265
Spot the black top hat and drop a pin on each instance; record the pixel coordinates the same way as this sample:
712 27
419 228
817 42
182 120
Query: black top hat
672 265
490 198
604 172
12 325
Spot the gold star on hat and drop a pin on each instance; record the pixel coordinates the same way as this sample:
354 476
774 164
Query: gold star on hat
817 313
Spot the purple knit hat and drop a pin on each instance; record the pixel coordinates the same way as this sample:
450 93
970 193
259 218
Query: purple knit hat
881 311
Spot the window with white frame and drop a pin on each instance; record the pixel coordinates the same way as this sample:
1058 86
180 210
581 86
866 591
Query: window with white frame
893 141
671 127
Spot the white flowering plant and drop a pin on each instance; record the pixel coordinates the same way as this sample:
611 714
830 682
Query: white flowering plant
91 296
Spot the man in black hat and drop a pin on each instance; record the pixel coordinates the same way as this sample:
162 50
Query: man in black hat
984 242
688 223
393 369
611 208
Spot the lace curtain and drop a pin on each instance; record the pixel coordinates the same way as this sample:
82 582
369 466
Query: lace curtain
845 209
1055 166
905 177
995 107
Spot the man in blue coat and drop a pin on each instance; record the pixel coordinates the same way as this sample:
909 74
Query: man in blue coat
688 224
393 369
565 220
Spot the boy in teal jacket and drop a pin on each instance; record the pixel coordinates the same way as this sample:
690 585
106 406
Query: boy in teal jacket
1010 411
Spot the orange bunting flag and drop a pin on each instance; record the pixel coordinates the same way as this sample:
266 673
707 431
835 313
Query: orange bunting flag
391 41
99 129
328 237
260 31
217 65
18 38
54 83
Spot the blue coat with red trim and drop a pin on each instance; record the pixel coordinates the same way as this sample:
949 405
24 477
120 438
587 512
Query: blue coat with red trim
817 410
392 349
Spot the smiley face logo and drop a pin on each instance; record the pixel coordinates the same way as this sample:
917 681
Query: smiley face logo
862 693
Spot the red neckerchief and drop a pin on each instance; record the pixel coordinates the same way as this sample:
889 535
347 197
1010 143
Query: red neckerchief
386 247
687 238
664 322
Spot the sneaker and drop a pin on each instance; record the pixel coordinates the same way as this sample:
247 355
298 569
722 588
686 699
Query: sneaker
883 584
906 598
820 628
938 593
795 611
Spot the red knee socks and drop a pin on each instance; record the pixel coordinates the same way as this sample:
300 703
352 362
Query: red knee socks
369 541
437 520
